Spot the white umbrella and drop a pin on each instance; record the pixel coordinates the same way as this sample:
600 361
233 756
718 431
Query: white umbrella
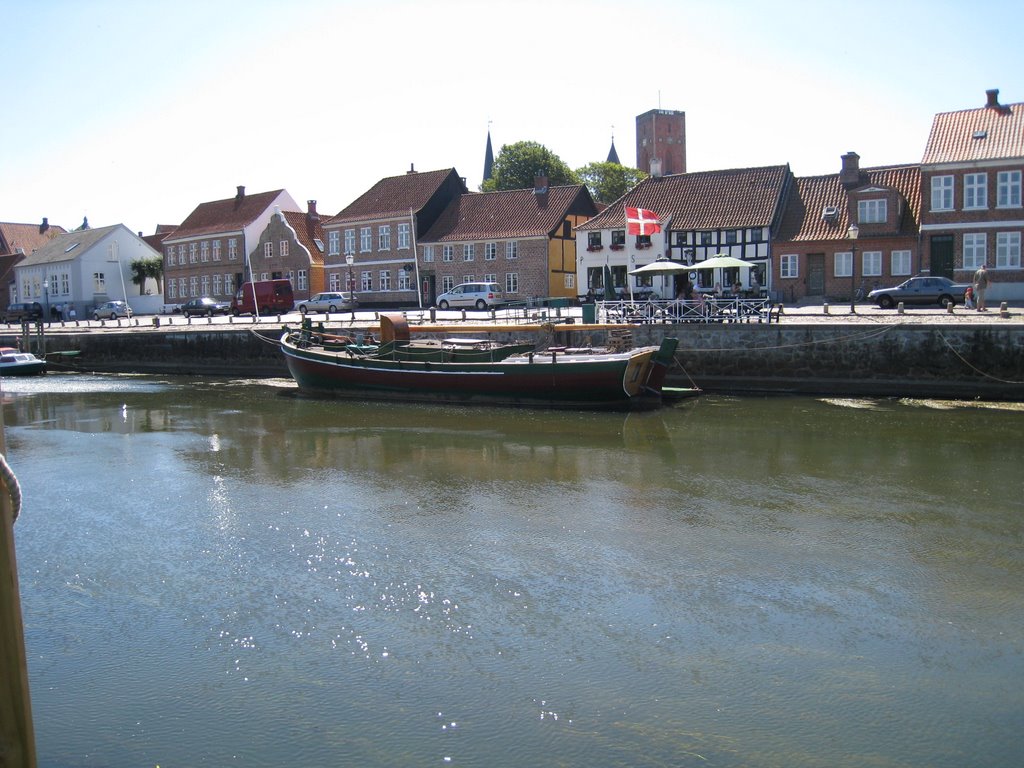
661 267
719 262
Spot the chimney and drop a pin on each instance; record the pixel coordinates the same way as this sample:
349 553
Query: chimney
311 213
240 195
993 98
849 176
44 226
412 168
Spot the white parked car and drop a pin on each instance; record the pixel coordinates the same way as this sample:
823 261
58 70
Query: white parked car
477 295
329 301
111 311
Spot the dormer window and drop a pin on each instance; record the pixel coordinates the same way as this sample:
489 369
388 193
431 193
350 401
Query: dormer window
872 211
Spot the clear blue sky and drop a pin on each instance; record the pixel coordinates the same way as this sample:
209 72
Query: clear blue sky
135 111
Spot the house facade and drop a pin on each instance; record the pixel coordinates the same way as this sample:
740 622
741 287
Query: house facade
521 239
703 214
814 255
218 247
16 241
371 244
85 268
971 183
292 246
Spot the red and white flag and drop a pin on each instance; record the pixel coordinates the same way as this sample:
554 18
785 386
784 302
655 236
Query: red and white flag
640 221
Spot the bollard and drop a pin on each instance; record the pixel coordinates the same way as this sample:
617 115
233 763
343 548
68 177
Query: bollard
825 307
433 314
1004 311
949 308
463 315
156 322
900 308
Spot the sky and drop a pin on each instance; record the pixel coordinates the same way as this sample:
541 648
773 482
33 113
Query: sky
137 111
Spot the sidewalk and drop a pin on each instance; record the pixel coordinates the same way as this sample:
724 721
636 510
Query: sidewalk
817 312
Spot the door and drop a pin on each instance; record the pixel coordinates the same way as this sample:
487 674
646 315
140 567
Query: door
815 274
942 256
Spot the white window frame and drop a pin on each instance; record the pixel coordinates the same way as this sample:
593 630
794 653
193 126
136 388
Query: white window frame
333 243
490 251
1008 250
303 282
874 211
216 285
942 193
975 247
366 280
900 263
491 277
232 249
204 251
511 282
216 250
403 237
428 253
404 280
842 264
447 283
385 280
789 266
334 281
1008 189
193 286
384 237
871 264
172 289
365 240
975 191
512 252
268 250
447 252
467 252
569 280
204 285
193 253
350 241
283 247
229 285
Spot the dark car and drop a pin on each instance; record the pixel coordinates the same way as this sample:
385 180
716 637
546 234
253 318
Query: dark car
204 307
23 310
920 290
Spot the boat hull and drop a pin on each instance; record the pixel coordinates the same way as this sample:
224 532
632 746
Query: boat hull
629 380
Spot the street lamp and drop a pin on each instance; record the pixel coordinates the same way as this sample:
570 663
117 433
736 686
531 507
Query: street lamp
46 298
349 258
853 233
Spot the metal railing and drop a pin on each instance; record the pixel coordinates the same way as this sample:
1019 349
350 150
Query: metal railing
708 310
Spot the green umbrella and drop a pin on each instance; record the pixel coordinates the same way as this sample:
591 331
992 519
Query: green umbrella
609 289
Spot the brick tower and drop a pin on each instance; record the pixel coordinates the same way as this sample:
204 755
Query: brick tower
661 135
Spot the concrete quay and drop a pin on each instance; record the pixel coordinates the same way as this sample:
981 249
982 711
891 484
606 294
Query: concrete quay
808 348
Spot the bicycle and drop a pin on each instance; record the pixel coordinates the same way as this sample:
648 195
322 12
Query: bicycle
861 293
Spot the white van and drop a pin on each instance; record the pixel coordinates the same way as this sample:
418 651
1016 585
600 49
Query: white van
477 295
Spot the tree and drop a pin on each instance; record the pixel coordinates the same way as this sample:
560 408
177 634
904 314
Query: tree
608 182
145 268
518 165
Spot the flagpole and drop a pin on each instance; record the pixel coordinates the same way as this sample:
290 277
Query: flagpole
416 259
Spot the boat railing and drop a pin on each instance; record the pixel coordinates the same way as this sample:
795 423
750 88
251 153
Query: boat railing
705 310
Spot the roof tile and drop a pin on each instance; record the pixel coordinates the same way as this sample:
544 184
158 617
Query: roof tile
970 135
394 196
230 215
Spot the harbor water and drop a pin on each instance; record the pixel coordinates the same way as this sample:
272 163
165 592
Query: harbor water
221 572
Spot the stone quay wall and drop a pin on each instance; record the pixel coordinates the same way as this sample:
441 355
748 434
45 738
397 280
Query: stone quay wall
983 361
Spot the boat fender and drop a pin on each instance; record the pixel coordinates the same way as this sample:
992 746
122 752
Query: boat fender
531 357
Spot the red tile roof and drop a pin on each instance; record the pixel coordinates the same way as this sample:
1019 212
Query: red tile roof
989 133
511 213
740 197
803 218
395 196
230 215
26 236
308 229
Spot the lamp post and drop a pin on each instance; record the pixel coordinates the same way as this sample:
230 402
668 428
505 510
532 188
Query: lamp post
46 298
349 258
853 233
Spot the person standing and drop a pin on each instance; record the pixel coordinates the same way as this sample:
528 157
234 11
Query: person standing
980 286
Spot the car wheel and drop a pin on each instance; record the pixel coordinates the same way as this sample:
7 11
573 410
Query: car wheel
947 301
332 308
188 315
481 304
113 315
95 316
442 305
886 302
209 313
302 309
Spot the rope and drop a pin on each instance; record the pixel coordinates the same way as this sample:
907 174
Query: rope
864 335
13 488
971 365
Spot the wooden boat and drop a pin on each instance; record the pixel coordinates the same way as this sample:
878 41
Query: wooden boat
16 363
474 371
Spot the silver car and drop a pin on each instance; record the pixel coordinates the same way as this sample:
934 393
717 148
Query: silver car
920 290
329 301
112 310
477 295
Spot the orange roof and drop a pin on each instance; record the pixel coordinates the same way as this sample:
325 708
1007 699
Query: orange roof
993 132
28 237
308 230
231 215
395 196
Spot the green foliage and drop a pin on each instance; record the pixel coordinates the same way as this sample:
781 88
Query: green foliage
608 182
142 269
517 166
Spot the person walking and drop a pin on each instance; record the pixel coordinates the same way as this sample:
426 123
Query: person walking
980 286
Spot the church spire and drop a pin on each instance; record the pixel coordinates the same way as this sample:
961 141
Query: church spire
613 156
488 155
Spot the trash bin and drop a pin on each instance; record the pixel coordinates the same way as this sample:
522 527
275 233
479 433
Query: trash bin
590 313
560 301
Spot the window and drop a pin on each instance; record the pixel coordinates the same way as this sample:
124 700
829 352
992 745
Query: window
232 249
385 280
618 238
384 237
229 285
404 280
1008 189
900 263
205 283
303 281
468 279
730 237
975 190
491 278
490 251
428 253
1008 250
871 264
181 254
593 241
99 282
403 236
512 250
447 283
789 265
170 256
447 252
193 284
172 289
942 193
268 250
365 240
283 247
643 241
872 211
756 235
216 286
350 241
706 238
334 281
570 281
204 251
974 250
511 282
333 241
193 253
843 266
467 252
216 250
366 281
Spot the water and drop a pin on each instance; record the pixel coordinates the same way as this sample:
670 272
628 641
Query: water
219 572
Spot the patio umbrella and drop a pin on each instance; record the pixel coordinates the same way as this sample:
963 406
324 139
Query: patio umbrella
719 262
662 267
609 289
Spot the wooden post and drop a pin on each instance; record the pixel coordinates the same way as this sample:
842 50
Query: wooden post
17 741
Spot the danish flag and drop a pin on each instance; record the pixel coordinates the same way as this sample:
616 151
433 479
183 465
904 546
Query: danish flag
640 221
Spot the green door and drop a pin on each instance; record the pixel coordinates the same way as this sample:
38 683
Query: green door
942 256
